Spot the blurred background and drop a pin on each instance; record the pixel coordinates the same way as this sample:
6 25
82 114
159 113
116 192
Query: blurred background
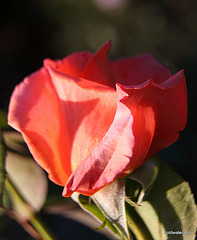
31 30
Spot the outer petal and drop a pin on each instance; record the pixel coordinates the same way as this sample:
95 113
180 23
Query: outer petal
160 113
88 110
34 111
109 159
137 70
171 117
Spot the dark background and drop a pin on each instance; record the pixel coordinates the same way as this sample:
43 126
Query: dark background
31 30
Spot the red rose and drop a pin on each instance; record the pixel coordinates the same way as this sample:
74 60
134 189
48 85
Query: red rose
88 120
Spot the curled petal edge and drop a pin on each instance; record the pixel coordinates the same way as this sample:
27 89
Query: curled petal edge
109 159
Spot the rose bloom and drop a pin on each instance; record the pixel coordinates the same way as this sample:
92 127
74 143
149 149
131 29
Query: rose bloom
88 120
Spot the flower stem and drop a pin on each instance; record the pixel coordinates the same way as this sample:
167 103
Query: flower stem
41 228
2 169
27 211
136 225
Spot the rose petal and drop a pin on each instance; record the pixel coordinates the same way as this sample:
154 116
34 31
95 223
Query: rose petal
159 111
137 70
171 117
88 110
109 159
74 64
34 111
98 68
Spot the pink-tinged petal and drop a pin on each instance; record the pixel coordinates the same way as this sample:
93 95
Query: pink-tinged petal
143 124
88 110
74 64
34 111
137 70
160 113
98 68
109 159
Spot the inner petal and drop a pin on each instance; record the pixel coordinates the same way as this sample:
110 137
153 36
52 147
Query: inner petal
88 112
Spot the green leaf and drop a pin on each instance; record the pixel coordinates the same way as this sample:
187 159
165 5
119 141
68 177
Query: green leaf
2 169
169 211
29 180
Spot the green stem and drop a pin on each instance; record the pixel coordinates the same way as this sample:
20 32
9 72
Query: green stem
41 228
28 211
2 169
136 224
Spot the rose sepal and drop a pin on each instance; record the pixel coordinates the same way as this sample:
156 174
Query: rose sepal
108 205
